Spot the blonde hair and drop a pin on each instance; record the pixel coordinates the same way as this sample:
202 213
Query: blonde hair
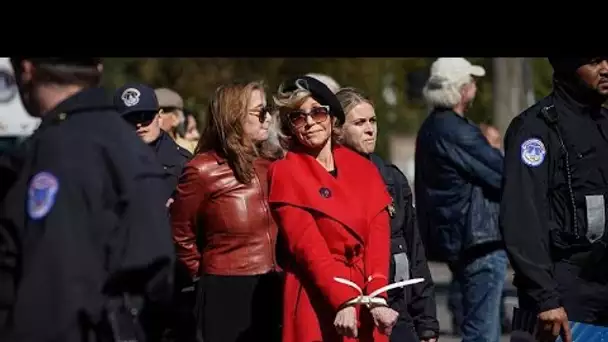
287 102
349 99
441 92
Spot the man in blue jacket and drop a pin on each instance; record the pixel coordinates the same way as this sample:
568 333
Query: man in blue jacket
457 188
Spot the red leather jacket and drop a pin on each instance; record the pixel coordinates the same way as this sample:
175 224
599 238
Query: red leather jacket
230 222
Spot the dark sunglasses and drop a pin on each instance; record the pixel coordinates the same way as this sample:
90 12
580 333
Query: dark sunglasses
262 113
140 118
317 114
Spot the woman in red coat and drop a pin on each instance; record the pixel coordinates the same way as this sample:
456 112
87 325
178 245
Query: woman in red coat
331 208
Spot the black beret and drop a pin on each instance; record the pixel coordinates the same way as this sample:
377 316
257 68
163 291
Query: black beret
319 91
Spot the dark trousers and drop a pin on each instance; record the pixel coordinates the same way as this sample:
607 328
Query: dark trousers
404 330
240 308
182 320
584 296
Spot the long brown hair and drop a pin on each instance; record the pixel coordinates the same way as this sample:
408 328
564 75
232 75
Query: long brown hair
224 133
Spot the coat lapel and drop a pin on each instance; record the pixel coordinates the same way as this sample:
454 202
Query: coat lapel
331 196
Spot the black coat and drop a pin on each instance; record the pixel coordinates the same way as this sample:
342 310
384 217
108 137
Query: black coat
82 225
172 158
415 303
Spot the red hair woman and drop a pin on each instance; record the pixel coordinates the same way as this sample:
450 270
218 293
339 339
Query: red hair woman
222 226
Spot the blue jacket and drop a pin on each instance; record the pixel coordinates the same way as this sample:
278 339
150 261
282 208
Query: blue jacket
457 185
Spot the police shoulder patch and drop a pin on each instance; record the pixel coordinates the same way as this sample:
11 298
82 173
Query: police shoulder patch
41 194
533 152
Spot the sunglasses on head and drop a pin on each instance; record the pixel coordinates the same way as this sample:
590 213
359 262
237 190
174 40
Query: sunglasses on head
317 114
140 118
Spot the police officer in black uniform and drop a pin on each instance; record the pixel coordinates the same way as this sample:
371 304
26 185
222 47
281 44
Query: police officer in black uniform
415 303
138 105
88 239
553 210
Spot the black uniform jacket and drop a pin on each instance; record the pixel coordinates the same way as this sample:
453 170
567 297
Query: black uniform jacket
536 215
84 222
172 158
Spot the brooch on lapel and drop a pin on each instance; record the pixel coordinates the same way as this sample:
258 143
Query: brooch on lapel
391 208
325 192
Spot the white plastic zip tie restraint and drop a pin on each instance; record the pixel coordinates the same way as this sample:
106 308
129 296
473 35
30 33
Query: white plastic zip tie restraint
370 299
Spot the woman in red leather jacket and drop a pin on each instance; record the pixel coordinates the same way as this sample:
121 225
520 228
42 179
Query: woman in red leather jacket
331 208
222 226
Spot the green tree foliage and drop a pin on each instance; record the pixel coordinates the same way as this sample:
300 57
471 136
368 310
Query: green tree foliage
541 77
197 78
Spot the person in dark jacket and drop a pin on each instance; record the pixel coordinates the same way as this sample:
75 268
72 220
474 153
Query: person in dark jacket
553 210
415 304
87 244
138 105
457 190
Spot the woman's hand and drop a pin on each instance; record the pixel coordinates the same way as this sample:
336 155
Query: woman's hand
346 322
384 318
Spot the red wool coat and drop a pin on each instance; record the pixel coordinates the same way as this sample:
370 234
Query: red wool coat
330 227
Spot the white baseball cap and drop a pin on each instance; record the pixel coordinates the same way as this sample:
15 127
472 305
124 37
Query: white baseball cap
455 69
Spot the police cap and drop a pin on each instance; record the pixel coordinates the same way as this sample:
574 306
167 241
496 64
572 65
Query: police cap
135 98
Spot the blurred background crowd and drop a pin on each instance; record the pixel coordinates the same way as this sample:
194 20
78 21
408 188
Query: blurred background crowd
395 85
